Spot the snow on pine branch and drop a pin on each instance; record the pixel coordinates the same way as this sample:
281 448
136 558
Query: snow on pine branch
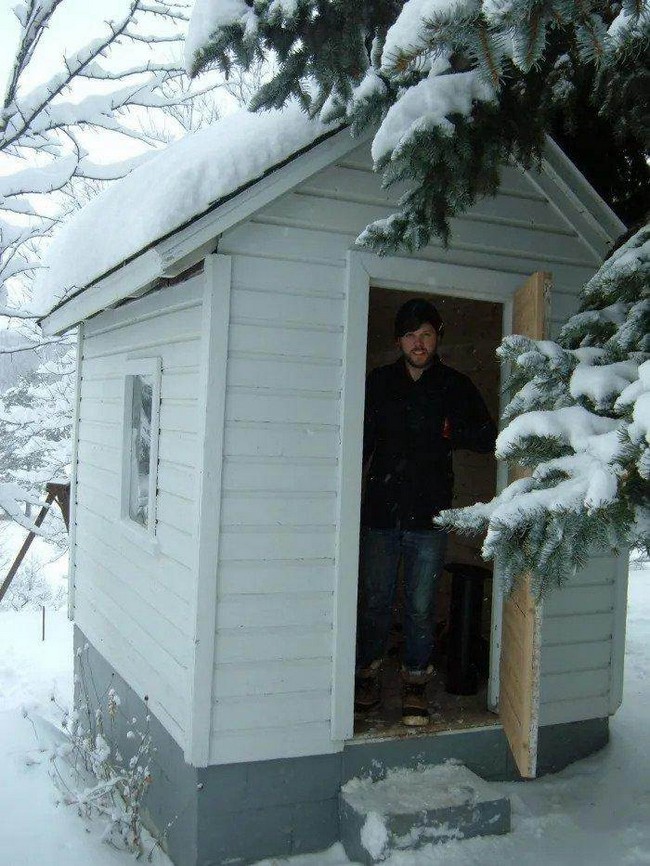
539 529
547 376
602 385
580 418
410 36
635 400
208 17
427 105
454 88
572 426
620 275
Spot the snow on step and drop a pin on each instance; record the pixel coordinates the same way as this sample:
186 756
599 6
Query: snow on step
410 808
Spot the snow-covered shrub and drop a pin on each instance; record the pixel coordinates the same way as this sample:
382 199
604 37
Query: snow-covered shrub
31 590
93 775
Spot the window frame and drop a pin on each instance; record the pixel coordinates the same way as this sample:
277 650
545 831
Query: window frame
150 367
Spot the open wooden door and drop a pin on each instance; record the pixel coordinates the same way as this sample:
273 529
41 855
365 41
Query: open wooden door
522 615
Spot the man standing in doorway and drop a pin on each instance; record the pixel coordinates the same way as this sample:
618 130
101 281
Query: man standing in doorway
417 410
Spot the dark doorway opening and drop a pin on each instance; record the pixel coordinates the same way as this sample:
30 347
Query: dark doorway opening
473 330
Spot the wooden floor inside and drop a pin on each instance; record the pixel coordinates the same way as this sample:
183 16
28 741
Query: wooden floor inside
448 712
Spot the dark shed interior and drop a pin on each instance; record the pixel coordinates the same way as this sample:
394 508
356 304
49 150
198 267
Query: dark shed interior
472 333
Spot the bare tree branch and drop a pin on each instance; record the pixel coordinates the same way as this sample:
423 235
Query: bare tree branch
39 153
17 313
27 347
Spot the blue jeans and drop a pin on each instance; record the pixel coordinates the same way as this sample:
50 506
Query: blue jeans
423 556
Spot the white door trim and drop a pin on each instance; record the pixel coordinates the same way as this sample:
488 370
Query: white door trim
617 664
350 470
363 270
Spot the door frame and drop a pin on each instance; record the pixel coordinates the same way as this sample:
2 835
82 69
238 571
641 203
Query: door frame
363 270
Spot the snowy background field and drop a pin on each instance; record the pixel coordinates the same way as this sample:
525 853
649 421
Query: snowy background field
596 811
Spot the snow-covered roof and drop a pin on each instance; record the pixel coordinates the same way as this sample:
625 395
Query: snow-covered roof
176 185
207 172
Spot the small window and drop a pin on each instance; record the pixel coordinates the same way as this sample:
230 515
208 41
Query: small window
140 448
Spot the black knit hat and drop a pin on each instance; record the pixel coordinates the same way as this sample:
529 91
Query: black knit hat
413 314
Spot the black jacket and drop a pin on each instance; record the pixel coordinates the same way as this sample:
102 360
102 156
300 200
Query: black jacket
410 430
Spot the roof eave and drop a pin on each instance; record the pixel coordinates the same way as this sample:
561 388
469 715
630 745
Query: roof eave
188 244
560 181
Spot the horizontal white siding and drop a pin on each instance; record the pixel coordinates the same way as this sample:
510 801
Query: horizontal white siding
134 603
274 639
579 637
277 541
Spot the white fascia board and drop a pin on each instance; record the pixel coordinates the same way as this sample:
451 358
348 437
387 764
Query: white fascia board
576 199
130 280
72 514
187 246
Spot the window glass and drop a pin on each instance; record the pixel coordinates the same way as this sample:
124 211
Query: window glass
140 436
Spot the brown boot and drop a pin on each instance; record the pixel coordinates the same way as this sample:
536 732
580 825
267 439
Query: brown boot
367 688
415 704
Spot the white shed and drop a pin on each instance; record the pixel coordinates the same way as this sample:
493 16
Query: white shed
222 310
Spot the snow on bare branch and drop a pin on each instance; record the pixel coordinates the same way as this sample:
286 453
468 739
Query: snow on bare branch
40 124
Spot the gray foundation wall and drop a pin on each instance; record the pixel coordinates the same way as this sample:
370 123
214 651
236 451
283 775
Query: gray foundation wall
236 814
171 801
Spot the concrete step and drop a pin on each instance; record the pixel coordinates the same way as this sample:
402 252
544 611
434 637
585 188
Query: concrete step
410 808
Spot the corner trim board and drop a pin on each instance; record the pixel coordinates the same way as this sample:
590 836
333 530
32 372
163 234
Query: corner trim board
72 563
617 661
214 353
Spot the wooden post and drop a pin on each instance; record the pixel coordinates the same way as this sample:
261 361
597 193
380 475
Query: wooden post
55 492
25 546
42 622
62 498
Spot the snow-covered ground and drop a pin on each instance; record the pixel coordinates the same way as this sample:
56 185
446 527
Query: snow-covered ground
597 811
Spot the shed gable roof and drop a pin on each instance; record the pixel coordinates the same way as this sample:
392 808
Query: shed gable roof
214 179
